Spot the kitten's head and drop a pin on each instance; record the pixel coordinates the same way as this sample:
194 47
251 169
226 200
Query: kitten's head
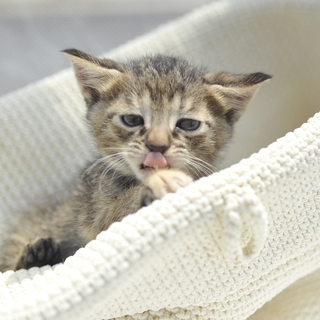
160 111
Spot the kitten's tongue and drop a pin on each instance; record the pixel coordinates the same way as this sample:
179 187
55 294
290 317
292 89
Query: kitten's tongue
155 160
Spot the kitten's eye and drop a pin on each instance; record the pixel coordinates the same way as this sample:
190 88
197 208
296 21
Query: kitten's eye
132 120
188 124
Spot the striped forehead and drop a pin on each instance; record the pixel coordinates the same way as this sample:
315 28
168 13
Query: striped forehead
169 111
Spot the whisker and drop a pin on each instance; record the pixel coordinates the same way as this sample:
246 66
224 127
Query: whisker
95 163
187 169
114 148
102 177
113 158
212 167
209 168
120 164
199 171
202 167
208 165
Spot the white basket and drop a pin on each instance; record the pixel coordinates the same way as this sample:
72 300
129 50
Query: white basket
227 244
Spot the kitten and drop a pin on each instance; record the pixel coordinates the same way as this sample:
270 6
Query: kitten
159 123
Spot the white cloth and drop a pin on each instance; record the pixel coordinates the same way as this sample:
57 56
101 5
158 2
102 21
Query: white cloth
218 249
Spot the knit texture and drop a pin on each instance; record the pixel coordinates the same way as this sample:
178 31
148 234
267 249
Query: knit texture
298 301
220 248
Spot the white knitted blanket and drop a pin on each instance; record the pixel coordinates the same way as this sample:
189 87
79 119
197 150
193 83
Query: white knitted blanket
218 249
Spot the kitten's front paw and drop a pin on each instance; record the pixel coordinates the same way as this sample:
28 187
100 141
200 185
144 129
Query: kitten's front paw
162 182
40 253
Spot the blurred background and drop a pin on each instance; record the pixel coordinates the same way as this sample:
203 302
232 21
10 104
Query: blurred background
33 32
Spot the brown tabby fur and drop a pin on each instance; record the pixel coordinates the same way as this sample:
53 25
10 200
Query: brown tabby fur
162 90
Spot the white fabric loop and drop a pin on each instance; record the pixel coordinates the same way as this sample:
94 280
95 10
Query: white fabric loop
243 207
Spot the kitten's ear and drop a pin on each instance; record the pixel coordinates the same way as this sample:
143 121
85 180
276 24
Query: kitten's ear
234 91
93 75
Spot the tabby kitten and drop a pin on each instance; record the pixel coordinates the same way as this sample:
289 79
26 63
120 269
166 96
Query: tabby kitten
159 123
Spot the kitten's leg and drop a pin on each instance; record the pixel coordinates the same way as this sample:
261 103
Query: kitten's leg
162 182
40 253
146 196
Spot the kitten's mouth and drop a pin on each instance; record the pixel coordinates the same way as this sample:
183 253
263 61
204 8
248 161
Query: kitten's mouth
143 167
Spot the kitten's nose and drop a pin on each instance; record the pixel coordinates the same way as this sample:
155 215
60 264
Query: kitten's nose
156 148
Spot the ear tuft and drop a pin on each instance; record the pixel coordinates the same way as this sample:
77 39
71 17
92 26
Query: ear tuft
256 78
76 53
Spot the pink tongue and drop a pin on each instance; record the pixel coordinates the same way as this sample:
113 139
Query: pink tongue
155 159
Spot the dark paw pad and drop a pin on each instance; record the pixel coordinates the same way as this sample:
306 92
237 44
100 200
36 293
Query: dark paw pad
40 253
146 197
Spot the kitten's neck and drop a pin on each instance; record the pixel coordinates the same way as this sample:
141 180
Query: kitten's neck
120 181
108 179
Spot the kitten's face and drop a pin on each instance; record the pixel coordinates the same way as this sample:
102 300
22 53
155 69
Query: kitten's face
139 134
161 112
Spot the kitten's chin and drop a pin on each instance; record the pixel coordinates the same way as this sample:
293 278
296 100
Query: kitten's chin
145 165
144 171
